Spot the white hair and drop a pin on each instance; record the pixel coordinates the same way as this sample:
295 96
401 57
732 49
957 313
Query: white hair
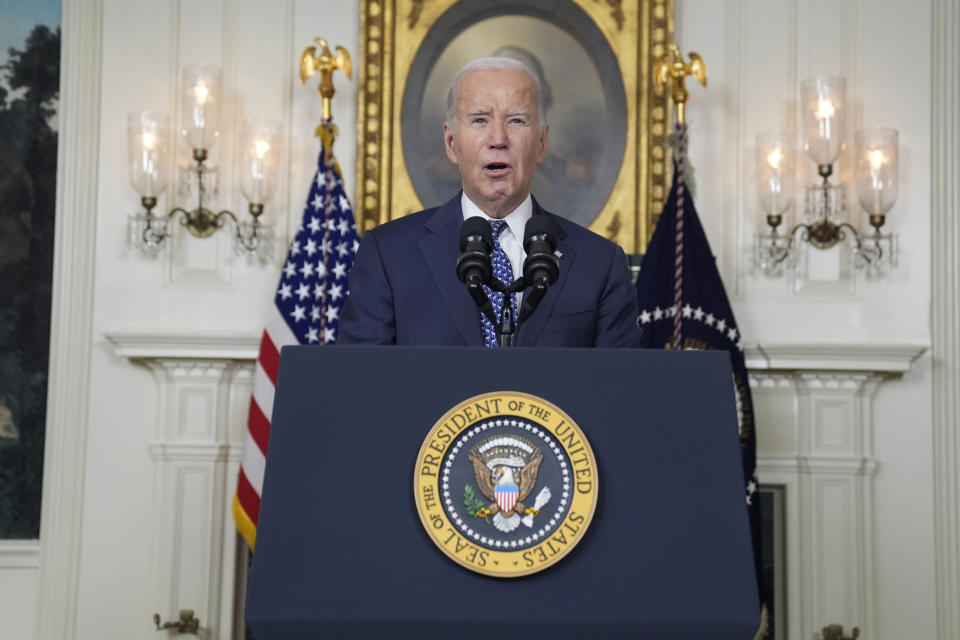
494 63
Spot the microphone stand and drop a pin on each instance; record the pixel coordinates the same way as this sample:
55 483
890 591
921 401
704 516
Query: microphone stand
507 325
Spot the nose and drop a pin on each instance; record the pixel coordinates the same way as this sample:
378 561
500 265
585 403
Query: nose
497 135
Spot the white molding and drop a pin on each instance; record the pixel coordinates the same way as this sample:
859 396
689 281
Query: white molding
877 358
200 452
195 469
71 320
887 358
147 344
822 431
945 309
19 554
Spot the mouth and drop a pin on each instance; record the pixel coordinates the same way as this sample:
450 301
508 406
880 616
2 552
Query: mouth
496 169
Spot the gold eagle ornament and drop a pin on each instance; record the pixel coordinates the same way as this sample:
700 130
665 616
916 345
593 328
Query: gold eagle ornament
325 64
671 67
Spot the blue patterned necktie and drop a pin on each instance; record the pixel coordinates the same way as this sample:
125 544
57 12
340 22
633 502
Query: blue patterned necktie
502 271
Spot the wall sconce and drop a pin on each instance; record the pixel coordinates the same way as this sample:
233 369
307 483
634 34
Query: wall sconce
823 103
148 139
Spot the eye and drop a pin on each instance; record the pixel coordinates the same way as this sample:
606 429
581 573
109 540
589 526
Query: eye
478 120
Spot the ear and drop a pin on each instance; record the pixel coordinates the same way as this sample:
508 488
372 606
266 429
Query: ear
544 139
448 144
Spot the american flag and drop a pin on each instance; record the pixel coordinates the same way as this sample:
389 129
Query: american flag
306 310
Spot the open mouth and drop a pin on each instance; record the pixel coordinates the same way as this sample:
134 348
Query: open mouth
496 168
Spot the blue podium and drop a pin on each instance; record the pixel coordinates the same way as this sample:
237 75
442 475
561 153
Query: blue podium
341 551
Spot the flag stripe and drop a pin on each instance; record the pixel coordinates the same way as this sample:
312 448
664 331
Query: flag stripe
263 389
248 496
253 463
278 329
259 426
269 357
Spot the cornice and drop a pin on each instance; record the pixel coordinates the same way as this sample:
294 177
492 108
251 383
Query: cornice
895 358
150 344
889 358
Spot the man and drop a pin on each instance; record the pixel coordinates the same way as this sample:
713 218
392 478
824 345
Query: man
404 286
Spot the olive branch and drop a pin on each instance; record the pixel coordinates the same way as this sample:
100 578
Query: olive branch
472 502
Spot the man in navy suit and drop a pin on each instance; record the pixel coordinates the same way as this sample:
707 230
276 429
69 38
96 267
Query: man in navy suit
404 287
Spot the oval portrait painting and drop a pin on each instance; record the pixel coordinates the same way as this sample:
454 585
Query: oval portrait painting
582 85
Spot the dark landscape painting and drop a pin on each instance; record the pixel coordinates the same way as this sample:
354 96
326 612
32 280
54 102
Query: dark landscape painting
29 93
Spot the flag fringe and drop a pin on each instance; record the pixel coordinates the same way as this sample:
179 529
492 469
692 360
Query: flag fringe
764 629
245 525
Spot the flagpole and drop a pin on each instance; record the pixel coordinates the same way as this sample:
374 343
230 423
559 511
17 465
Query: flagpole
671 68
325 64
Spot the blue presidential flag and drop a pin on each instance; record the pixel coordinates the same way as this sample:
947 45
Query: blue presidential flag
681 296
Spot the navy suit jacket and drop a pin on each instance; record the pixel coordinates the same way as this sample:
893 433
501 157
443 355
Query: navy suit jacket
404 289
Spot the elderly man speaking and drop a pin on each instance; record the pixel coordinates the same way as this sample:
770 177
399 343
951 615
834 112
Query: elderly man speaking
404 283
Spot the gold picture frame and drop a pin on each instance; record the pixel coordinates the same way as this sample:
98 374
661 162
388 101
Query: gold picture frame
402 47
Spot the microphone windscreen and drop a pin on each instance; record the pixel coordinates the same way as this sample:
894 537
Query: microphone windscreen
542 226
476 226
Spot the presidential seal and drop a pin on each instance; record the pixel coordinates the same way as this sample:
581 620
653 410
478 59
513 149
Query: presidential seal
505 484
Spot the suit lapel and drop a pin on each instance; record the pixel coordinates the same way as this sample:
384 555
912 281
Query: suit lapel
533 327
440 249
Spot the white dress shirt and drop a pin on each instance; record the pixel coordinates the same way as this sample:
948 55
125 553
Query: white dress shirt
511 238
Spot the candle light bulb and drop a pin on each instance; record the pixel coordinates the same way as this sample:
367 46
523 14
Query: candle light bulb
825 109
877 159
149 140
201 92
262 146
774 158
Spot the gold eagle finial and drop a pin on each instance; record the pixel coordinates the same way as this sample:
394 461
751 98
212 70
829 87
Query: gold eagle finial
671 67
325 63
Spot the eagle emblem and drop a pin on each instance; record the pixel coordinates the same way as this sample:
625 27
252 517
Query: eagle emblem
506 470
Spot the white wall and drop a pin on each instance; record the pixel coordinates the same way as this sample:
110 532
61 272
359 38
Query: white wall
756 52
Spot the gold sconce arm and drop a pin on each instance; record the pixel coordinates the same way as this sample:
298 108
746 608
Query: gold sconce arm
200 222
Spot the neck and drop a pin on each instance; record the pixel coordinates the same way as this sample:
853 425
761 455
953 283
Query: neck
497 209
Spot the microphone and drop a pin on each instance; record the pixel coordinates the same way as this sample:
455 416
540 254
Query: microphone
474 267
542 267
476 243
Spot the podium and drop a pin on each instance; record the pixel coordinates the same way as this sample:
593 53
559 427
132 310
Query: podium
341 551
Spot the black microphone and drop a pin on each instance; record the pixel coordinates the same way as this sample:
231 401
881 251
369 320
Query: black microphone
542 266
474 267
476 243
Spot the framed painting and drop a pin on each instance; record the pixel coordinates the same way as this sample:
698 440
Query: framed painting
605 167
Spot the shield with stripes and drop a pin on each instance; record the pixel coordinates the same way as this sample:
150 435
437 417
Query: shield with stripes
507 496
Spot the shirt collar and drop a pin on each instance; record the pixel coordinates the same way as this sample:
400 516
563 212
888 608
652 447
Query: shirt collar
516 219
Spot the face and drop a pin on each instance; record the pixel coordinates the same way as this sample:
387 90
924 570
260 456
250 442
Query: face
496 140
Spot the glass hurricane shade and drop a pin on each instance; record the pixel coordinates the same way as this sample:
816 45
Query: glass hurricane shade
201 93
823 102
148 136
260 150
876 173
774 172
